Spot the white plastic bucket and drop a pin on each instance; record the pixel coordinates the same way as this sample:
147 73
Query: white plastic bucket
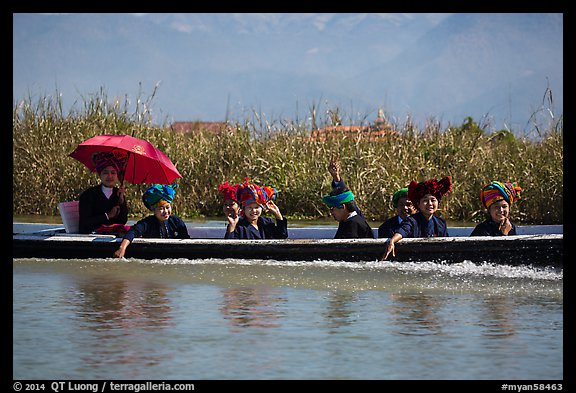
69 211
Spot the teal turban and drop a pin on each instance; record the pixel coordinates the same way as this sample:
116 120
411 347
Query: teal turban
339 199
158 195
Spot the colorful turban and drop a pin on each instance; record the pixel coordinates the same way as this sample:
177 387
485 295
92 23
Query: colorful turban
338 199
158 195
104 159
248 193
416 191
497 191
401 193
228 191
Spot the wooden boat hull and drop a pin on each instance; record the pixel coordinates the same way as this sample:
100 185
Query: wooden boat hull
538 250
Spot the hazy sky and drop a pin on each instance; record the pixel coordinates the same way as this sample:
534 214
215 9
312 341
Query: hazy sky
213 66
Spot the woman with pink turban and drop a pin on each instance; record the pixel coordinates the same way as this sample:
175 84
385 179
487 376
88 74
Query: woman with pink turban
104 205
426 197
497 198
252 225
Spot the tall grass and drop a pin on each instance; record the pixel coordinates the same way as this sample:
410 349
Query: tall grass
283 155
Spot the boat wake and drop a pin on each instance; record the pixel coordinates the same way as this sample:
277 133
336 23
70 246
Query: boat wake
405 277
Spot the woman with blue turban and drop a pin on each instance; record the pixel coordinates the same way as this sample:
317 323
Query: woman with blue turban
351 225
162 224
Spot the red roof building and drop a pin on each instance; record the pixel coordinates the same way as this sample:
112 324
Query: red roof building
377 130
196 126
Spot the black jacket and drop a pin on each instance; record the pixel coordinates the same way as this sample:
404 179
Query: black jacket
389 227
490 228
93 206
267 229
354 227
150 227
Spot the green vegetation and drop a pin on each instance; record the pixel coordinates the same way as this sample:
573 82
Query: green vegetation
284 156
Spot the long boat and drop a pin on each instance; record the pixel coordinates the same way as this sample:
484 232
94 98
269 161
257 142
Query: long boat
538 249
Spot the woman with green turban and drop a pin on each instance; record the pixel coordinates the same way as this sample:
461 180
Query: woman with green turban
404 208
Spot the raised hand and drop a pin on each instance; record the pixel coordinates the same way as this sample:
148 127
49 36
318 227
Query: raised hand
334 169
272 207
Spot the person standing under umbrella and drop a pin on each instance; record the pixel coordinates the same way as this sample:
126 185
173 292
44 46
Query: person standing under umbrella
104 204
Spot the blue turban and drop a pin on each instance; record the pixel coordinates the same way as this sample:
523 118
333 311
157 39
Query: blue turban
158 195
339 199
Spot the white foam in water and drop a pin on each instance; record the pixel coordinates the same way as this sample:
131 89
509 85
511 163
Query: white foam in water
452 269
463 269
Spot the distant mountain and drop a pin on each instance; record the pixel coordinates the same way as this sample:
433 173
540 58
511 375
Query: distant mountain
474 64
213 65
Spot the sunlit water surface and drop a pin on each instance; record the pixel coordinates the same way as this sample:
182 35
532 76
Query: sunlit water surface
236 319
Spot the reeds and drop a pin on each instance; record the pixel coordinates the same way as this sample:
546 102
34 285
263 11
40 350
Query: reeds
283 155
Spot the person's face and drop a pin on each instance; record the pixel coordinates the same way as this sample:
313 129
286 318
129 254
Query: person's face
499 211
231 207
339 213
252 211
428 204
109 176
405 207
162 213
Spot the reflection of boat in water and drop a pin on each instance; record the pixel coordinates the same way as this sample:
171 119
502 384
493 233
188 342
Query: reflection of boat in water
305 244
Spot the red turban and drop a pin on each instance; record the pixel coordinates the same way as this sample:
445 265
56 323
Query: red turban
228 191
416 191
249 193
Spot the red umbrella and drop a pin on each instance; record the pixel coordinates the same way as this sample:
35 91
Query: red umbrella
144 162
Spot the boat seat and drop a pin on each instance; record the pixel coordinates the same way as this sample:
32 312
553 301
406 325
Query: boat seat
69 211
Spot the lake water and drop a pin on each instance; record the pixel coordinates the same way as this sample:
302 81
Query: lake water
236 319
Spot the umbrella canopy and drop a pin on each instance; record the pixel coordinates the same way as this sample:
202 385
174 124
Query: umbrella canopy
144 163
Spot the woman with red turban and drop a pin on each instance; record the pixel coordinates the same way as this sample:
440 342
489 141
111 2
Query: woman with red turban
426 196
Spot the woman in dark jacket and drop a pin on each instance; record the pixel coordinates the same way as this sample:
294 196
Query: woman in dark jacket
351 225
426 195
252 225
162 224
497 198
103 204
404 208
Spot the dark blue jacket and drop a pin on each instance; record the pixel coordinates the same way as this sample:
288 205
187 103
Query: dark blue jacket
417 225
267 229
389 227
150 227
355 227
490 228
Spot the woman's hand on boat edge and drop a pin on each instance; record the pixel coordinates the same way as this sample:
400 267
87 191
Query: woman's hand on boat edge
390 246
389 249
119 253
